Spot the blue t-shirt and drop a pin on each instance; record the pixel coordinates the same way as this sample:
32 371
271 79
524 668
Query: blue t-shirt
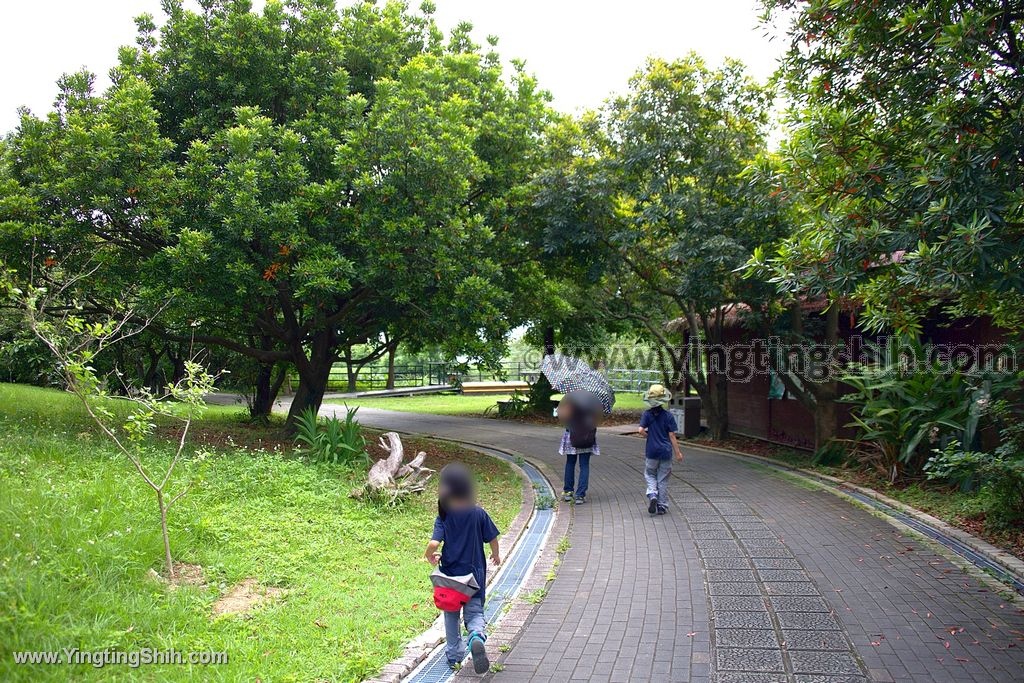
659 424
464 533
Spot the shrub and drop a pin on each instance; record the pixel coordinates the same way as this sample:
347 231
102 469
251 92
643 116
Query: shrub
902 415
331 440
999 473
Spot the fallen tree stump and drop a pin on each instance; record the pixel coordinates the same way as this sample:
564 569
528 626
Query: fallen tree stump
390 478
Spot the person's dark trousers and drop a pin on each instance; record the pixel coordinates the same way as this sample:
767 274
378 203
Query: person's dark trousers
570 473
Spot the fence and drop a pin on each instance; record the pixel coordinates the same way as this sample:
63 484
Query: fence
374 377
633 381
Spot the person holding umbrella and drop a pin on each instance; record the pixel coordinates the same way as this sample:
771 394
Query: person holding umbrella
587 395
578 410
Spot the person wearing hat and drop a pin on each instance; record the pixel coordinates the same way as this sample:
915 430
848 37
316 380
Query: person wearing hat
659 426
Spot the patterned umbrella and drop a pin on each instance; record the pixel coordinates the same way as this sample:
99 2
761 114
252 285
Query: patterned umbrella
568 374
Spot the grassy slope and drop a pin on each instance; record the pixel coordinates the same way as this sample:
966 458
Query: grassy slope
77 537
458 404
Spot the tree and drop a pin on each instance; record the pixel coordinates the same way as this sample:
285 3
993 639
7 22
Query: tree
906 145
75 343
659 184
303 180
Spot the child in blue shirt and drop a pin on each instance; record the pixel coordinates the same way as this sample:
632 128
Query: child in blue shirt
659 426
460 530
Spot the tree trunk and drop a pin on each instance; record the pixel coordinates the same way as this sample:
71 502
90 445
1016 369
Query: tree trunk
549 340
165 535
177 367
824 423
392 351
717 409
352 371
314 373
263 393
828 392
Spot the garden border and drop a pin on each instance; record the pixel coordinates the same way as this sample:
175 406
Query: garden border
417 650
955 539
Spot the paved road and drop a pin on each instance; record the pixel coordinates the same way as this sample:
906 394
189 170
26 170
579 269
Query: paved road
751 577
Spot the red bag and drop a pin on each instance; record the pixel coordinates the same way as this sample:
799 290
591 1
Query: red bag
451 593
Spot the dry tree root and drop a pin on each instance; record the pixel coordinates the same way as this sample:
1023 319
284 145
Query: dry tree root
389 480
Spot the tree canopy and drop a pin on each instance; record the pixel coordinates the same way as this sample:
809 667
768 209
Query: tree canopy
292 182
906 149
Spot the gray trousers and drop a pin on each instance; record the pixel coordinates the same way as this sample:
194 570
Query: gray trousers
473 614
656 474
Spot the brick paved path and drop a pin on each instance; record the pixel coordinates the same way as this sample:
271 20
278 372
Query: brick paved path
750 577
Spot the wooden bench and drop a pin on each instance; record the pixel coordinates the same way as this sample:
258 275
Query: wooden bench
494 387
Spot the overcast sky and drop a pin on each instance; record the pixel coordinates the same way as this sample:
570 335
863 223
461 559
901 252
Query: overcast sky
580 50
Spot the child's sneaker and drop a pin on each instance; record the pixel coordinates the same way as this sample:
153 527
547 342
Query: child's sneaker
652 504
662 509
480 662
580 500
567 496
454 666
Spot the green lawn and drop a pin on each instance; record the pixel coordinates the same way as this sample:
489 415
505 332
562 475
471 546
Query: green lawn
78 537
459 404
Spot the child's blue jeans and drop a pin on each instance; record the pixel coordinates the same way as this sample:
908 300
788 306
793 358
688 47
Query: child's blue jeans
473 613
570 473
656 474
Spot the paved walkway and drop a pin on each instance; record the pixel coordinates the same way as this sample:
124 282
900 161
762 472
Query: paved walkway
751 577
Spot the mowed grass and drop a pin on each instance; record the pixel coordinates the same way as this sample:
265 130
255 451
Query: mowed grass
461 404
79 533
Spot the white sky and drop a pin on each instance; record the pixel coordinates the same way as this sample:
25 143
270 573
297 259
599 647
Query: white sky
581 51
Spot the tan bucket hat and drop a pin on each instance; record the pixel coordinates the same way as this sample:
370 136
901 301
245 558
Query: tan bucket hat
657 395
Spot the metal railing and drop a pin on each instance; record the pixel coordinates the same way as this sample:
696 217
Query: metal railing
375 377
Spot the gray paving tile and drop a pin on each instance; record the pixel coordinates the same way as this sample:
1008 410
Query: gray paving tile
798 603
734 588
783 575
790 588
746 637
741 619
817 621
738 603
730 575
811 662
814 640
749 659
726 563
776 563
729 677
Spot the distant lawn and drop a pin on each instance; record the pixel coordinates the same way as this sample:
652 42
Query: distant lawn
460 404
78 537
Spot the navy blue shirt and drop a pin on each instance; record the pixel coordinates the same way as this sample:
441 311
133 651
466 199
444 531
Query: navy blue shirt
464 533
659 424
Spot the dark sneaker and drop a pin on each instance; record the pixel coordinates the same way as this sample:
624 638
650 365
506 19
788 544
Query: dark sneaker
662 509
580 500
480 662
567 496
652 505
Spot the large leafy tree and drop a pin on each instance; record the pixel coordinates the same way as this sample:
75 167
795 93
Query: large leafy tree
294 182
907 152
657 186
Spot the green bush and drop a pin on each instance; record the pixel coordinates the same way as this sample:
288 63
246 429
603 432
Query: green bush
999 473
331 440
903 414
